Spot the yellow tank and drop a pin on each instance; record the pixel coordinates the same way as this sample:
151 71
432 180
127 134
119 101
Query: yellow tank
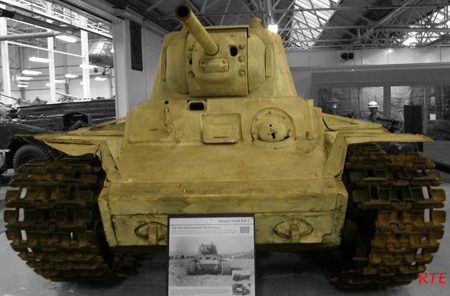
225 132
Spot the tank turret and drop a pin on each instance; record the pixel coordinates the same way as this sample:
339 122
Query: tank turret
221 61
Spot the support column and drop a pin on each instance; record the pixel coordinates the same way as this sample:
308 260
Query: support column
112 90
5 63
122 62
51 69
67 81
85 61
23 93
51 64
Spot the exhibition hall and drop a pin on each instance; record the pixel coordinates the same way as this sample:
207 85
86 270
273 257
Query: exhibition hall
224 147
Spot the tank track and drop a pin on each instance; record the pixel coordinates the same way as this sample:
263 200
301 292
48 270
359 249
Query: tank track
388 237
226 268
56 226
190 268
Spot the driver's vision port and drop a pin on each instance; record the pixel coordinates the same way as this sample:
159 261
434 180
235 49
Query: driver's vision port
197 106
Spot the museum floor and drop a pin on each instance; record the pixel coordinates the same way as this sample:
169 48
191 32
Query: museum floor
278 273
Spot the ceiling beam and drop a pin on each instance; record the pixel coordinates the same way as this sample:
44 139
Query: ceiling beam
337 8
223 16
29 36
154 5
390 28
361 8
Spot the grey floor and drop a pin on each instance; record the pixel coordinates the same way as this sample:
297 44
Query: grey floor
278 273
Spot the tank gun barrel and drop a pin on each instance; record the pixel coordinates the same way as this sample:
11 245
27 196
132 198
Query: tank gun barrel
184 14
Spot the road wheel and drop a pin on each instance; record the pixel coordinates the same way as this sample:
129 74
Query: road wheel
28 152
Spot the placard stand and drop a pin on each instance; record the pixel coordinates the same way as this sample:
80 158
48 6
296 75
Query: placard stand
211 254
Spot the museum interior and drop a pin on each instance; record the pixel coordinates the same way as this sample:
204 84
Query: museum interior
326 120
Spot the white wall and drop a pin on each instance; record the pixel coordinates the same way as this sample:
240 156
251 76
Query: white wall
304 63
134 86
140 83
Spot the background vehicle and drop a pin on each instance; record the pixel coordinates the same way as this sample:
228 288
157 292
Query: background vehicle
44 119
15 152
225 132
4 111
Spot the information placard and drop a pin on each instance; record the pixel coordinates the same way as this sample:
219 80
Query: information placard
211 254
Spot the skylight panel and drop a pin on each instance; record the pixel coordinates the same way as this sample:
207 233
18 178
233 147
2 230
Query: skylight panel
438 19
312 18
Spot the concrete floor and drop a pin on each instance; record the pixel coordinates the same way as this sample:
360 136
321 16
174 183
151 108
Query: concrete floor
278 273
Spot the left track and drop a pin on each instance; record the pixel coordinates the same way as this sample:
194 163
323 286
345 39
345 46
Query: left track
56 226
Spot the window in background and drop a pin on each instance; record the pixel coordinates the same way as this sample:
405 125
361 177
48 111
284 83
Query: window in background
350 101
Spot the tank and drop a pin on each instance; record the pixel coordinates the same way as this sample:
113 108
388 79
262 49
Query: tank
208 261
225 132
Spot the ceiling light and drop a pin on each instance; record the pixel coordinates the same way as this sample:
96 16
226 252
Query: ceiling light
31 72
39 60
81 83
23 78
70 75
22 85
67 38
56 81
273 28
87 66
100 78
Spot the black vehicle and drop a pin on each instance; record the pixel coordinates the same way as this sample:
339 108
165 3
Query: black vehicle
14 153
4 111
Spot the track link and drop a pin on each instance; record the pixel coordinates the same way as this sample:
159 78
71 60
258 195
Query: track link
190 267
392 224
226 268
55 224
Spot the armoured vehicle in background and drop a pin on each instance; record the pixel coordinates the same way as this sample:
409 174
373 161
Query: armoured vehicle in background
225 132
13 152
48 118
4 111
208 261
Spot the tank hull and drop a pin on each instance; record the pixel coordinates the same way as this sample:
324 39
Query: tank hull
293 216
